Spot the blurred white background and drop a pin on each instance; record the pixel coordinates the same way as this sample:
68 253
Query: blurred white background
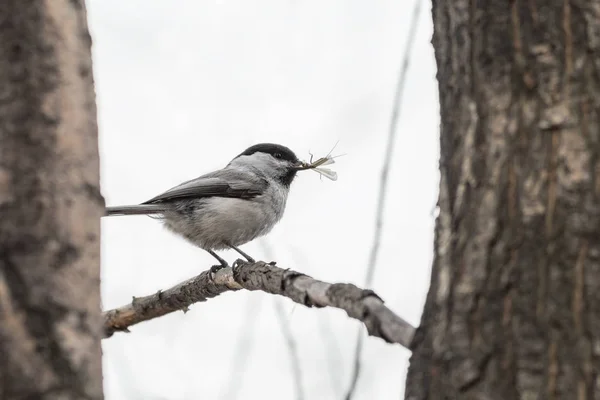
183 86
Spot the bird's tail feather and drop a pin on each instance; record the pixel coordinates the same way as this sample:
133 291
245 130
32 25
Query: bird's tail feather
141 209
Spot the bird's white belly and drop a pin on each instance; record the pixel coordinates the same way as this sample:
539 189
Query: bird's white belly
220 222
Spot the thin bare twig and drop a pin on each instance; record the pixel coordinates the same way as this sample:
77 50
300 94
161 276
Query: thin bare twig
363 305
383 185
291 344
332 345
333 357
286 330
242 350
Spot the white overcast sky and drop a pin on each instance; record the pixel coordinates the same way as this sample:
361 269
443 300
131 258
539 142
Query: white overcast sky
185 85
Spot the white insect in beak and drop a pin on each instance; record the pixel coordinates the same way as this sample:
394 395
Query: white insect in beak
326 172
316 165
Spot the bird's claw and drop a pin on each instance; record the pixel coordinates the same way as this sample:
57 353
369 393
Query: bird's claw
238 263
214 269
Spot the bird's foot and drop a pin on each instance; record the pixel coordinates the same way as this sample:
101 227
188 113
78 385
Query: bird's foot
222 262
238 263
216 268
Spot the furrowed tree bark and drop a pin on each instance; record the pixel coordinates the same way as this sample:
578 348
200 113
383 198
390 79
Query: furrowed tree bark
513 311
50 204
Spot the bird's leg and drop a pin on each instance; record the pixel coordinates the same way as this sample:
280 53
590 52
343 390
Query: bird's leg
222 262
246 256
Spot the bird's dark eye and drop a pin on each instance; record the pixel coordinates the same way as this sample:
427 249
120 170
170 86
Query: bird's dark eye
277 155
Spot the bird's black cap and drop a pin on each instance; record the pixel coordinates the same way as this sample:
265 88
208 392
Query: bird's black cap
280 152
276 150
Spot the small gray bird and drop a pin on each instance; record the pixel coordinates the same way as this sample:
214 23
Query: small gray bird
228 207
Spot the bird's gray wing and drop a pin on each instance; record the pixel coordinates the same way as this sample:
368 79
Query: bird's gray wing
221 183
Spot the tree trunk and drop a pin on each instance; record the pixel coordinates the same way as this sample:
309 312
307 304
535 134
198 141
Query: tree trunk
513 311
50 204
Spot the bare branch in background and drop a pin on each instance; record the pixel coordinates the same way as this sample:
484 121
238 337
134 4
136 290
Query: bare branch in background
291 344
286 330
242 350
396 108
334 356
363 305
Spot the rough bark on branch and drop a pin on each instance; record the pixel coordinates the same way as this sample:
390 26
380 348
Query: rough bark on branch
363 305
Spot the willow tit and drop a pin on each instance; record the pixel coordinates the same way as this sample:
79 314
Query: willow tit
228 207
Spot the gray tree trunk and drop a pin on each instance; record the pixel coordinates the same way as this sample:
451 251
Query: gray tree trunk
513 311
50 204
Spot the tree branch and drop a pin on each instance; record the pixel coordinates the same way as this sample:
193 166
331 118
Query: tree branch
384 180
363 305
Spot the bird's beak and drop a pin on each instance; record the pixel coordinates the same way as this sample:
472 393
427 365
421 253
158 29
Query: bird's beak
300 166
